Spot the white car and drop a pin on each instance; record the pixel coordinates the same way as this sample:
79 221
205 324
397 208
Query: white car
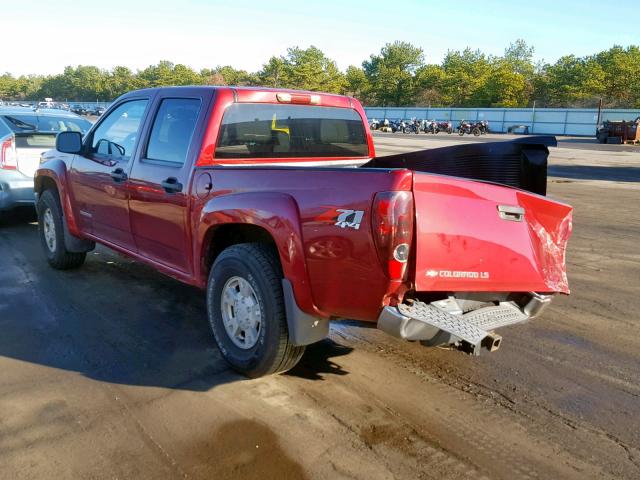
24 135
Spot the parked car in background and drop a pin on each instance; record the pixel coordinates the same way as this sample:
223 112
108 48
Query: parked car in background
98 111
78 109
25 134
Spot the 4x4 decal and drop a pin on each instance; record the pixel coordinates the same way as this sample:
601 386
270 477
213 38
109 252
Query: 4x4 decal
341 217
349 218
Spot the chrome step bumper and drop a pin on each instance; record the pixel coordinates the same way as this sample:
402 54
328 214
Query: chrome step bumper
441 323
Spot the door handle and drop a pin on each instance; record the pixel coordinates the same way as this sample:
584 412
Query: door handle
118 175
172 185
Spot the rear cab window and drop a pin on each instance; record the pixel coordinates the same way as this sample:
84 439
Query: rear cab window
251 130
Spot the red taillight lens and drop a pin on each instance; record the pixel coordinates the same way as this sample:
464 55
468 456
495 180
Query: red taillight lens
393 231
8 159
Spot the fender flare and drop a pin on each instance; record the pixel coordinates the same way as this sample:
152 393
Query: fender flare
278 214
56 170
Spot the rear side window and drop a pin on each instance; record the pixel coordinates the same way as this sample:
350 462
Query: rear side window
45 123
173 129
276 131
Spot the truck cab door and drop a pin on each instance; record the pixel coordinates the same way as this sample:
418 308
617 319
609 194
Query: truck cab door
99 175
159 181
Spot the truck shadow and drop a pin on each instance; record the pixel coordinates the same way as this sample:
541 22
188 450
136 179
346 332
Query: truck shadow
317 361
116 320
17 216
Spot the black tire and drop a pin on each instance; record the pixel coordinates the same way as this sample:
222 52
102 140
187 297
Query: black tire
476 132
55 251
460 132
258 265
449 131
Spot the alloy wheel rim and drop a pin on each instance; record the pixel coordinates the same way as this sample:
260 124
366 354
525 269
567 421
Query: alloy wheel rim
241 312
49 228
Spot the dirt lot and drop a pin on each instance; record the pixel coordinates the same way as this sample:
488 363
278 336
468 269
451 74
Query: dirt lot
110 372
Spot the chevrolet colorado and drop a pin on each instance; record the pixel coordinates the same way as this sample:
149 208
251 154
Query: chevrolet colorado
274 202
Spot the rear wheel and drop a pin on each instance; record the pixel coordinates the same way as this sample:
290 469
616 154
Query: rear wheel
245 306
476 132
51 230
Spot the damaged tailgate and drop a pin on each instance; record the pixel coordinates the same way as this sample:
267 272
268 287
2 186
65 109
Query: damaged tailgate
474 236
479 234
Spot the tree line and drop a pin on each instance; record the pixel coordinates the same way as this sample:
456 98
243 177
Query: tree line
398 75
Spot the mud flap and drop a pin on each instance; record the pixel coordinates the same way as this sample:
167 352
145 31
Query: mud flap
304 329
73 243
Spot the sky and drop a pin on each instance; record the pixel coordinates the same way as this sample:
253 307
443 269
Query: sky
42 37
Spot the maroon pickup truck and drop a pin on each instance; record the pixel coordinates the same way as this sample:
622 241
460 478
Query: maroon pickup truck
274 202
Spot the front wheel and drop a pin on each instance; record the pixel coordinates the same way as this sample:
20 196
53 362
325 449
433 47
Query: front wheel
51 230
449 130
245 306
476 132
461 132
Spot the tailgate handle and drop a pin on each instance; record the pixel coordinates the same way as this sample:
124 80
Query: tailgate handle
510 212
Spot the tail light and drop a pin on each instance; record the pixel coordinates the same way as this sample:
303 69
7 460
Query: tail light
393 231
8 159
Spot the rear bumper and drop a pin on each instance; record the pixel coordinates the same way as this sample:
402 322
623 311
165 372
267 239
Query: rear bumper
442 323
16 190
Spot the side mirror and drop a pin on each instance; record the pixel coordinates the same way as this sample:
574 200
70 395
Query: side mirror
69 142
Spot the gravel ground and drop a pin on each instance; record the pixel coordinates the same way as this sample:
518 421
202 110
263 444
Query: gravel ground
110 372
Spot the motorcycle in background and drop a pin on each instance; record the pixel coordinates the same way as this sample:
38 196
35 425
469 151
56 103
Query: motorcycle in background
483 125
386 126
468 128
445 127
411 126
435 127
431 127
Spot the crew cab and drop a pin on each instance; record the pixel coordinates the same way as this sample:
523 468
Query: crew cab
275 204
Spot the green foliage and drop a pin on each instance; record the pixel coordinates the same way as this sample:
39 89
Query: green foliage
391 74
303 69
397 75
357 84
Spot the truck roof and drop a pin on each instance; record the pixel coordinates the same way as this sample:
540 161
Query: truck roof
256 94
